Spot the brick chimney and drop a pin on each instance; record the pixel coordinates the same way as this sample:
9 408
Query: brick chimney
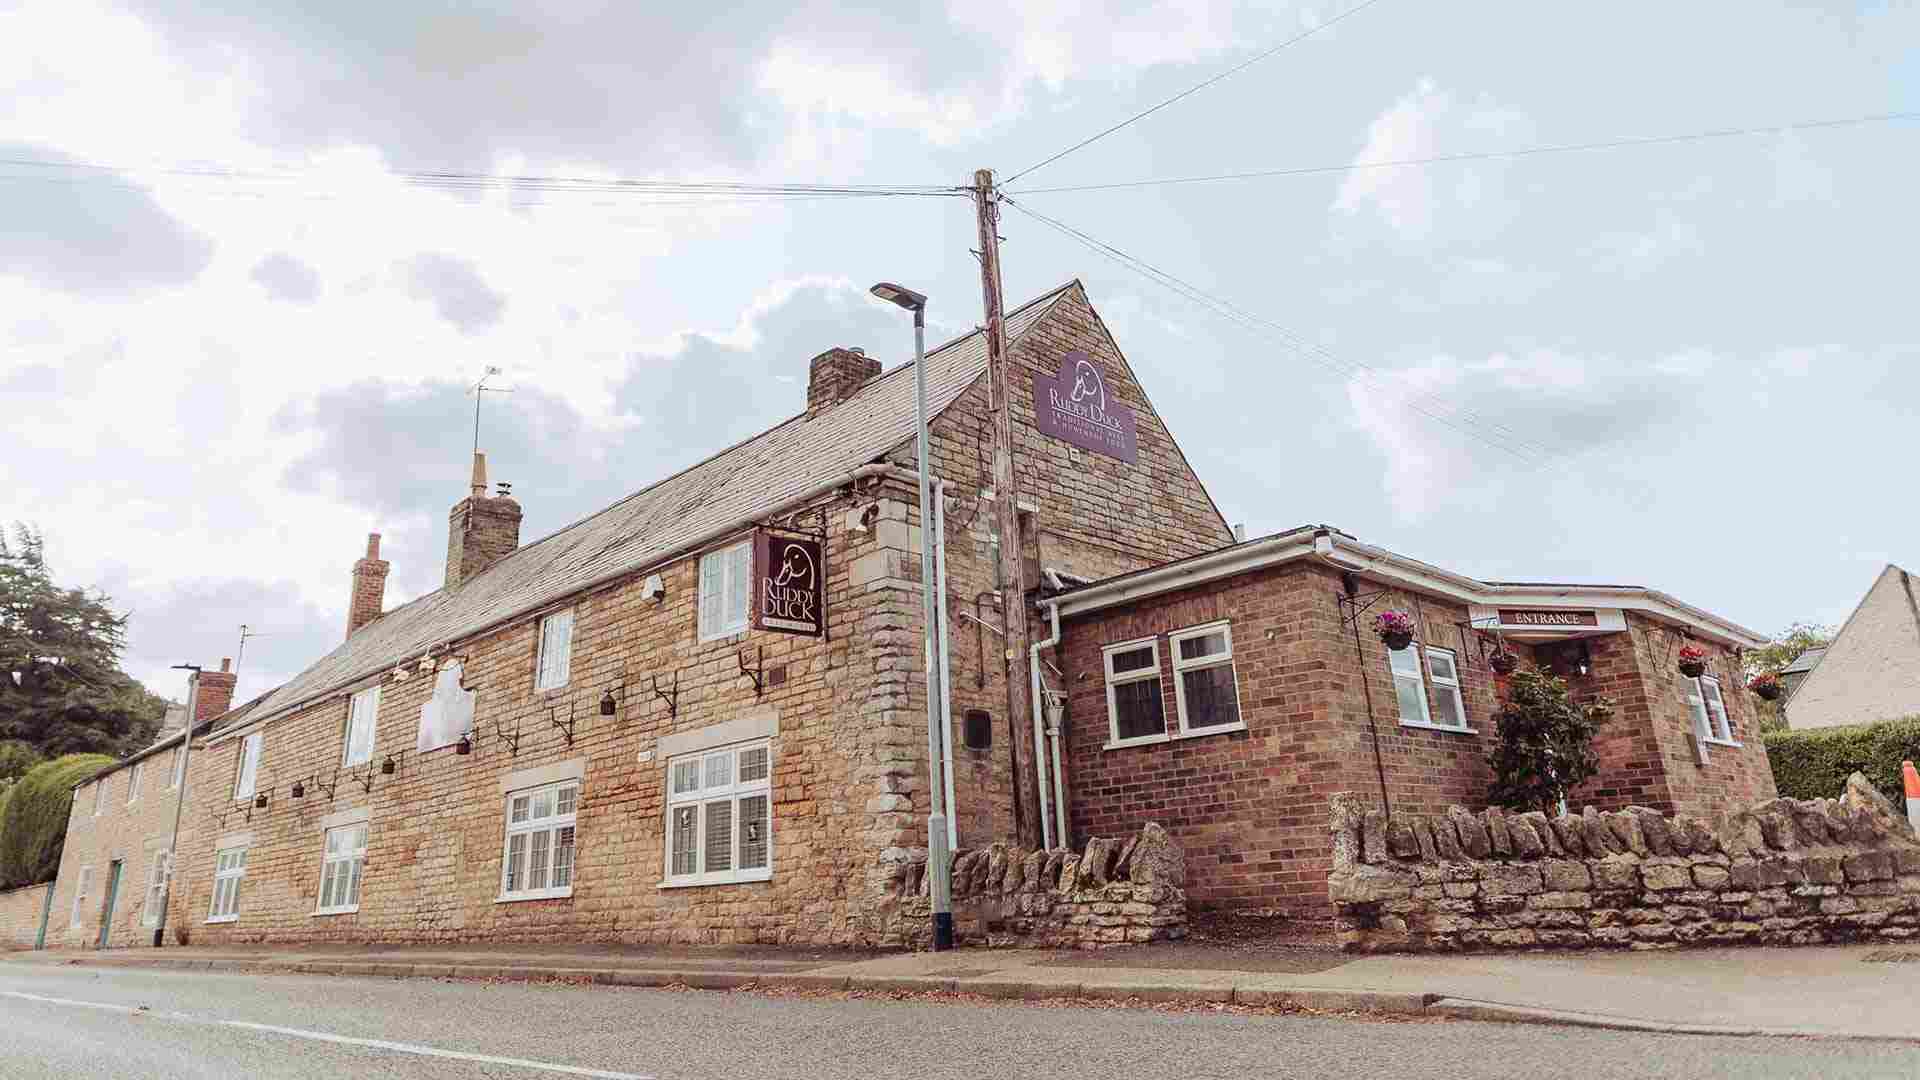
836 375
369 594
481 529
216 690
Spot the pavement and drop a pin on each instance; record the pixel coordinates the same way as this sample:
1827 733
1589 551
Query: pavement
82 1022
1856 992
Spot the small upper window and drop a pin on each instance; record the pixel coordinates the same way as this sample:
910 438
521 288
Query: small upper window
724 589
1135 710
175 760
362 714
1204 689
249 767
99 793
1444 669
556 651
133 782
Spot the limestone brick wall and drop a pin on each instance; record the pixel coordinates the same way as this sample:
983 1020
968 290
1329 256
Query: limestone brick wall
1781 872
20 916
1115 892
133 833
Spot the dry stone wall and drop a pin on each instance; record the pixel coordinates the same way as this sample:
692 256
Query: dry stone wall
1115 892
1784 871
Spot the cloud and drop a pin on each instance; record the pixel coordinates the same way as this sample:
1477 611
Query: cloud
455 289
70 231
287 278
1428 122
198 621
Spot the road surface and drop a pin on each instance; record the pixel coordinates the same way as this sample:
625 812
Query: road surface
101 1022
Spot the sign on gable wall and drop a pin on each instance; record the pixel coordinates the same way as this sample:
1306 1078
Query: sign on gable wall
1074 406
448 714
787 586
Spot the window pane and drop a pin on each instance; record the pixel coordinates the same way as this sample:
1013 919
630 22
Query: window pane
1413 699
537 859
754 831
1446 706
719 770
569 798
710 598
1138 710
1403 662
739 574
1209 644
353 881
1132 659
1211 700
1441 664
563 858
542 804
683 840
516 857
686 776
519 809
719 840
753 764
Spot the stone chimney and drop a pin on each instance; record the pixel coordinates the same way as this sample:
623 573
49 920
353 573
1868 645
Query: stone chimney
836 375
216 690
481 530
369 594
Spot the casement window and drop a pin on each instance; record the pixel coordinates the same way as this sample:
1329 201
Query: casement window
1709 709
248 769
175 761
1135 711
362 714
720 816
158 868
81 886
555 662
724 578
538 863
1442 669
1205 693
99 793
344 856
229 870
133 782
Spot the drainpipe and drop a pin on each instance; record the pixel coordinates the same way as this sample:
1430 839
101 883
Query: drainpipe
1056 709
945 659
1039 732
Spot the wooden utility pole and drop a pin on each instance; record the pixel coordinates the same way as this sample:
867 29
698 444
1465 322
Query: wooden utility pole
1006 509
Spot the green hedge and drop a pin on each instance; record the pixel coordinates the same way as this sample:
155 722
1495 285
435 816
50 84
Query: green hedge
34 827
1815 764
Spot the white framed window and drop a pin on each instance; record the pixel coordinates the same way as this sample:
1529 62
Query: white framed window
1408 687
1206 694
724 590
1709 709
555 662
133 782
1135 710
99 794
1443 669
159 866
341 862
363 712
720 816
82 884
174 763
248 770
229 869
538 863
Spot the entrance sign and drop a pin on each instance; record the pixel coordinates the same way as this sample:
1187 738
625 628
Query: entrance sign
1548 617
1073 406
787 586
448 714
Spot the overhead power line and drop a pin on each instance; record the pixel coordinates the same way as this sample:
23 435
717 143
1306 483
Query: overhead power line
1488 155
1194 89
1470 424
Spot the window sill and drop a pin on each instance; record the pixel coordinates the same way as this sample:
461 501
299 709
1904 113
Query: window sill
1222 729
724 633
1144 740
542 894
733 879
1440 727
353 910
1155 740
1724 742
223 918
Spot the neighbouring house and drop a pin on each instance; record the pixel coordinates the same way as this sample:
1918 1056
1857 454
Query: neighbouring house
1871 669
119 846
1229 694
1796 673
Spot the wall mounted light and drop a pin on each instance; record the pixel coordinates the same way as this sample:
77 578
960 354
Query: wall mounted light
426 665
299 790
260 801
400 673
464 746
386 767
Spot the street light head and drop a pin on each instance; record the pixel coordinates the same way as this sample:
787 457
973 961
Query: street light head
904 297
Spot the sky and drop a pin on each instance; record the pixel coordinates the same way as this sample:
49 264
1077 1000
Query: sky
246 343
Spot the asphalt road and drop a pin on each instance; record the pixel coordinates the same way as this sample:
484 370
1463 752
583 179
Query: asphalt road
84 1023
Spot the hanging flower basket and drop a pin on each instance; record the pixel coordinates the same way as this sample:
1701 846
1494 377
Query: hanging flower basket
1693 661
1766 685
1395 628
1503 662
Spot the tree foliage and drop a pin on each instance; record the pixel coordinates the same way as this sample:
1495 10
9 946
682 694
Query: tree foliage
34 825
1775 655
16 758
61 687
1545 745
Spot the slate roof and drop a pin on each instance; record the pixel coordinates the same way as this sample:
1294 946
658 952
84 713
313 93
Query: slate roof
1807 660
658 521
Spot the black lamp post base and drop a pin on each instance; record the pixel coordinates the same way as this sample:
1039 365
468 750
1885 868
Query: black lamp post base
942 931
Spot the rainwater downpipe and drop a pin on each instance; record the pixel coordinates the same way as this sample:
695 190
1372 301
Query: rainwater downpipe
1039 735
945 659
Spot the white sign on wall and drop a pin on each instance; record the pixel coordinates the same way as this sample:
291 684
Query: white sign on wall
448 714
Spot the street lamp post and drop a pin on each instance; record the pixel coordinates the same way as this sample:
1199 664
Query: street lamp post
938 857
179 801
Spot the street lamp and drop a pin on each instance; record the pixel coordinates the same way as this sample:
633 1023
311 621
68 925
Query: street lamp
937 855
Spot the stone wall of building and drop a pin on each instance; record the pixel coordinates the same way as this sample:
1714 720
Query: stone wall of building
1782 872
1114 892
111 823
20 916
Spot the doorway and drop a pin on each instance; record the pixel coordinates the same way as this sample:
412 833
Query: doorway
106 906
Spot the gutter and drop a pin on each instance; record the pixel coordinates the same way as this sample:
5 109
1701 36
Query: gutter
1251 555
851 476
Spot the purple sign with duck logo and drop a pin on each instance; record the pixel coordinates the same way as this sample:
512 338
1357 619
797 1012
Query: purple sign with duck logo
1074 406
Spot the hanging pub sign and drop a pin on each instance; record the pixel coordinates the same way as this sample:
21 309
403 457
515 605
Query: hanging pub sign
789 594
1073 406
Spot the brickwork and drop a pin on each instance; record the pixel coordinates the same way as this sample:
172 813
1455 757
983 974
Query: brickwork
20 916
835 375
369 594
